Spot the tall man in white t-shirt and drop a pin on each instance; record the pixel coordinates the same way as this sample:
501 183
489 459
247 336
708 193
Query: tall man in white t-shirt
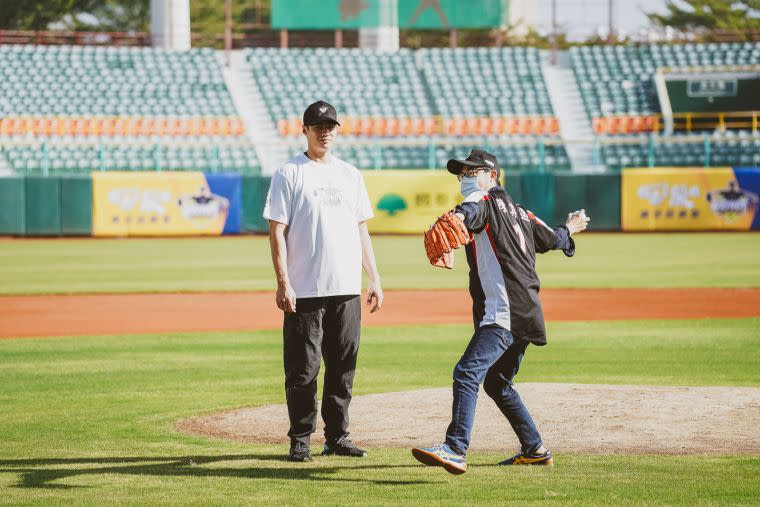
317 209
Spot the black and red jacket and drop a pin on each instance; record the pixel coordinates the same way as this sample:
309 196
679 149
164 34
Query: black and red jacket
502 257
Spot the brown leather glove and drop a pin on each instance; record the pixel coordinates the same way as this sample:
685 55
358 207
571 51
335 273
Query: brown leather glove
445 235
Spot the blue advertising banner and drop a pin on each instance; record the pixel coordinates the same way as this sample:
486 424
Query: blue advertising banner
749 178
230 187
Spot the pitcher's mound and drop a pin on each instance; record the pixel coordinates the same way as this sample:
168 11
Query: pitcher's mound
571 418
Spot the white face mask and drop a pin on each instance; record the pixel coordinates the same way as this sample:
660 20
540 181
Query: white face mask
468 185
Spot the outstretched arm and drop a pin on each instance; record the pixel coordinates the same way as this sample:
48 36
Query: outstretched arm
558 238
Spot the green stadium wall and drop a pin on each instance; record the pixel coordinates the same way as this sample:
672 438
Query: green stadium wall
76 205
43 206
255 190
13 210
62 205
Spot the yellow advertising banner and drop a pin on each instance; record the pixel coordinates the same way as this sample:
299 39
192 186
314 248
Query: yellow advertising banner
409 201
684 199
155 204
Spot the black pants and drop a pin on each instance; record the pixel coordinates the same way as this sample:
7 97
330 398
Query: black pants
326 327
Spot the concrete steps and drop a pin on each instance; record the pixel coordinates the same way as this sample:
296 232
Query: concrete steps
272 151
575 127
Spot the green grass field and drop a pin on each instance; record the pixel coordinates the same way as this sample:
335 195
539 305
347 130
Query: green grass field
90 420
235 264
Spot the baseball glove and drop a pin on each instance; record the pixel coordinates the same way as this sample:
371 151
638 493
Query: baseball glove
445 235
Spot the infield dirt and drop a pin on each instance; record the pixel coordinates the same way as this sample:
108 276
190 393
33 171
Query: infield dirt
587 418
77 315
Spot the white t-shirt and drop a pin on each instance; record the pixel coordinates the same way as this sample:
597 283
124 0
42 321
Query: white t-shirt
322 204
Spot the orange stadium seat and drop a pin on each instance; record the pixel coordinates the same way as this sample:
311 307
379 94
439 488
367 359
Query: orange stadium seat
347 125
46 128
238 128
120 127
448 126
379 127
525 125
538 125
149 126
418 127
96 126
109 126
393 127
513 125
36 126
460 126
365 126
19 127
405 126
553 125
600 125
282 127
614 125
432 126
488 125
469 125
438 121
651 123
637 124
81 126
215 127
500 125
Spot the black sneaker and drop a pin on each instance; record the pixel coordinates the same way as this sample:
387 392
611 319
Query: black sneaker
521 458
300 452
343 447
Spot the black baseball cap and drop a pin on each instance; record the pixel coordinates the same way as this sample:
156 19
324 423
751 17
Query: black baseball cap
476 158
319 112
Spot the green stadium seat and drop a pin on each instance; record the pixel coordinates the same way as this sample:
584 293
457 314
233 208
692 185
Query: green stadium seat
86 80
31 158
619 79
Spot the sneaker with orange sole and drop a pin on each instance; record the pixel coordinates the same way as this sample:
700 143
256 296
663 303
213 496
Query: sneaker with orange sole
530 459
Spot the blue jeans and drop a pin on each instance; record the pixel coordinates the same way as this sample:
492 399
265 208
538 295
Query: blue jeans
493 357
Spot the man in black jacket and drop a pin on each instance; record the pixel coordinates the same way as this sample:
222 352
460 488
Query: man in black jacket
506 309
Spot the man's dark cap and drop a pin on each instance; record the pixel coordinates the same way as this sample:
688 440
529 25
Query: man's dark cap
476 158
319 112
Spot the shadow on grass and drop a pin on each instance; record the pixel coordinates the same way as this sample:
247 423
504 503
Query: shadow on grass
36 473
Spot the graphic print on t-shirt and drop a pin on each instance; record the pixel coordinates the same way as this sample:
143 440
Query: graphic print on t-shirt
330 197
